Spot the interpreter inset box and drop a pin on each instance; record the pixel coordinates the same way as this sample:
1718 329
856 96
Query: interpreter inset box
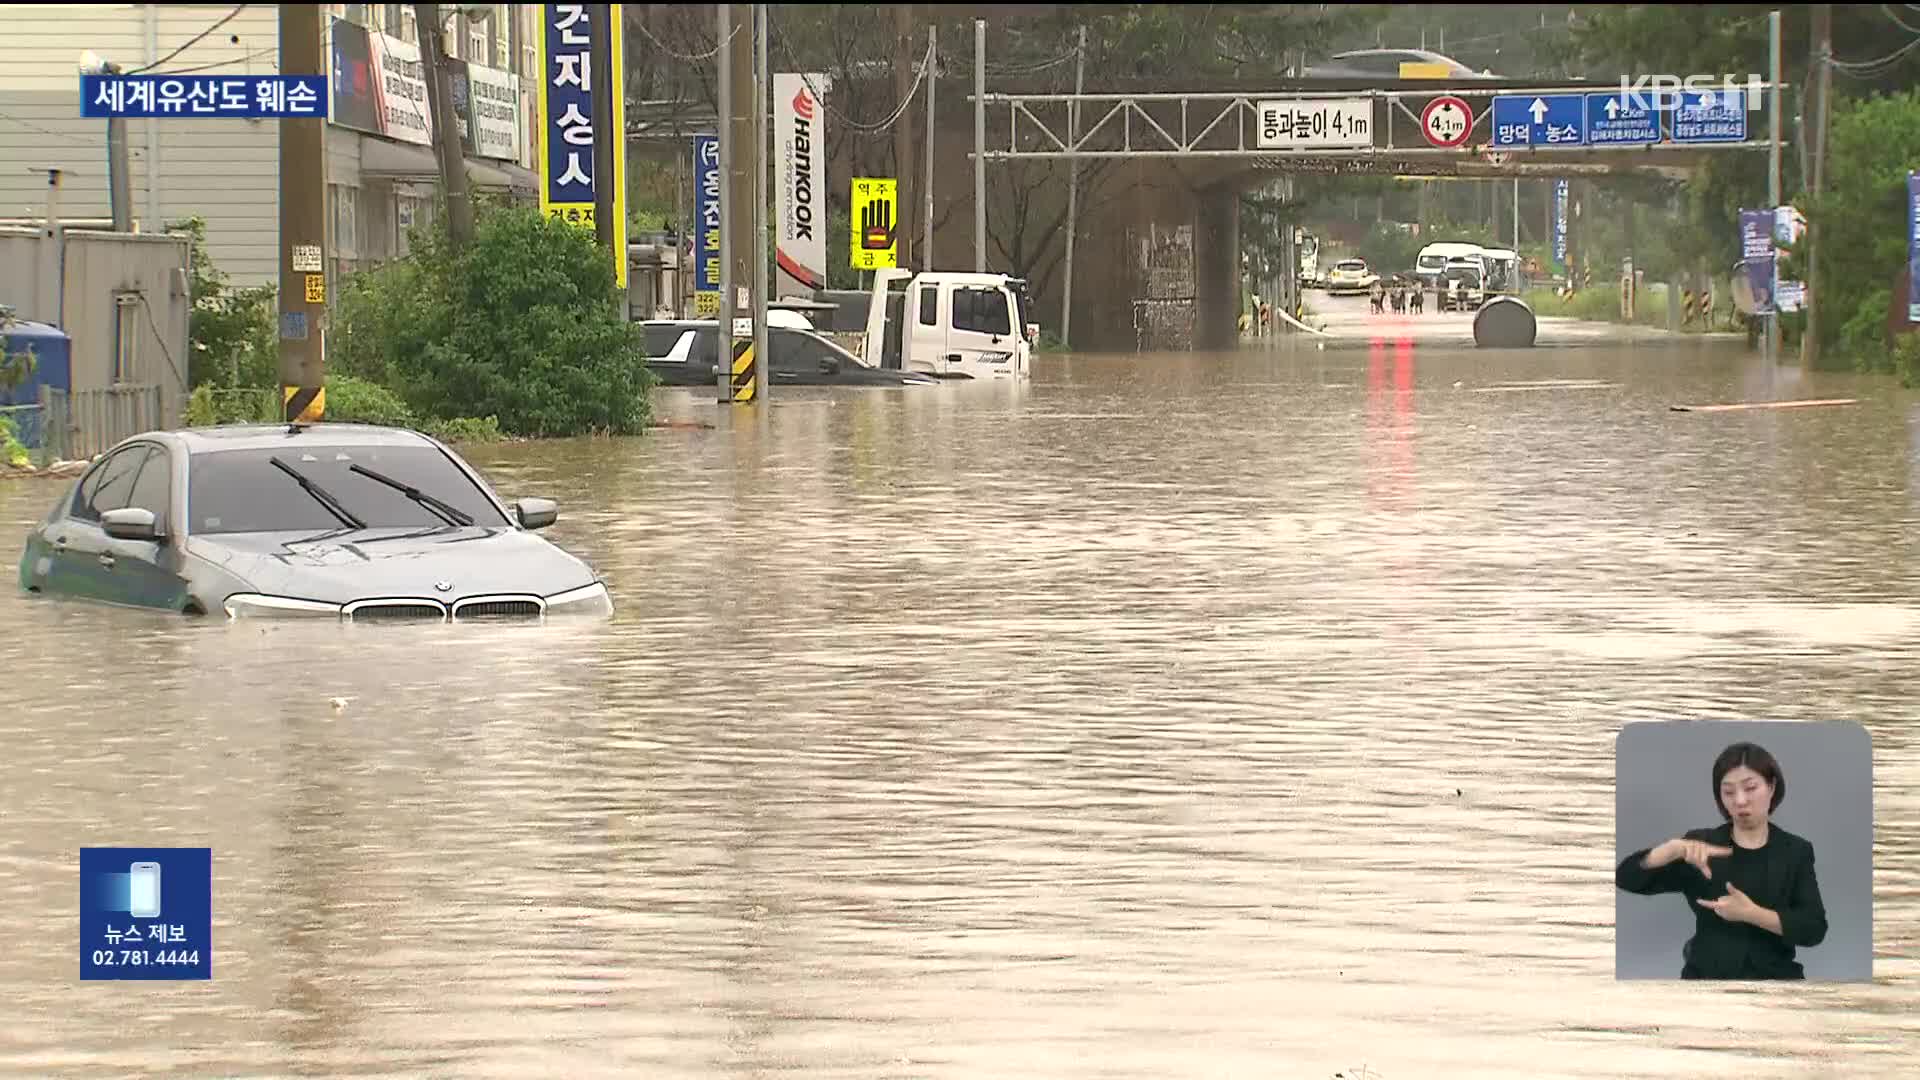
1744 851
146 913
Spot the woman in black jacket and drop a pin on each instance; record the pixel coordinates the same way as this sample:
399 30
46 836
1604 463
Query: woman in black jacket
1750 883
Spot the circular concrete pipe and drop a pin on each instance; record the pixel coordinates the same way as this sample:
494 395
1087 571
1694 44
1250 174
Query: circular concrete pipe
1504 322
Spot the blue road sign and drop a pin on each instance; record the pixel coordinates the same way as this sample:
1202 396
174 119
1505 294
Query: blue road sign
1710 117
1614 119
1539 120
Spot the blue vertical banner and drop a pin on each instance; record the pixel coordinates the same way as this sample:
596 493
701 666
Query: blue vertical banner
1560 188
1757 257
566 121
1913 247
146 913
706 225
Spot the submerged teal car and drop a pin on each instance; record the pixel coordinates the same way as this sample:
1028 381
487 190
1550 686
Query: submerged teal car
339 521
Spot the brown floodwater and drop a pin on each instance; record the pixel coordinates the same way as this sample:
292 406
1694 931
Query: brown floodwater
1196 716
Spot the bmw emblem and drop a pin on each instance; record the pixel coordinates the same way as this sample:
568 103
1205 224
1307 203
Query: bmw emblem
443 586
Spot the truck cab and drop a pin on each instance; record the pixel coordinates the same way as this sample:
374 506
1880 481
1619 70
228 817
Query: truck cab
951 325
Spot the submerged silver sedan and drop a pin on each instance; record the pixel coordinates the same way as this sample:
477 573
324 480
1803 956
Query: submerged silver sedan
343 521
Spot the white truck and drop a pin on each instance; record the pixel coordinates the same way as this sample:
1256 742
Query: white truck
950 325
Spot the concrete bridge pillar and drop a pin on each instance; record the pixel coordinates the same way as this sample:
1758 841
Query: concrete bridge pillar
1216 269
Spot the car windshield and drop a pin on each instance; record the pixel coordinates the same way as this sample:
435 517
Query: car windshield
1350 265
240 491
1432 262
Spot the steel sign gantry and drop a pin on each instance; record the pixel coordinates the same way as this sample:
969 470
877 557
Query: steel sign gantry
1246 127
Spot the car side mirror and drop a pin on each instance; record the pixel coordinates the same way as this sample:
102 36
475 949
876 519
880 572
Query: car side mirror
830 365
130 523
536 513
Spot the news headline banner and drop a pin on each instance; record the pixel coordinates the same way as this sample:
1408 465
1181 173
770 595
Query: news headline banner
256 96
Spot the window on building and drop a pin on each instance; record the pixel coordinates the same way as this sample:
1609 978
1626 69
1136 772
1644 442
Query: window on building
126 335
357 14
396 18
409 26
476 41
345 205
502 37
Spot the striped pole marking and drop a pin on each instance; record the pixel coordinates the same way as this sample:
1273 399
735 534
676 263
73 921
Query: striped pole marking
743 383
304 404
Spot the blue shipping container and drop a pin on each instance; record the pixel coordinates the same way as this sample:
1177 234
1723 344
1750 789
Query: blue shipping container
52 353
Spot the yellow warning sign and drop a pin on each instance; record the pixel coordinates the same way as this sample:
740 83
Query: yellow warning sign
876 224
316 288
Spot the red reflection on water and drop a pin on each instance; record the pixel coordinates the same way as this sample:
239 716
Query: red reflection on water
1390 424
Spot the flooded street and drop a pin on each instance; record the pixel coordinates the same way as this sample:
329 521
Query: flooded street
1171 716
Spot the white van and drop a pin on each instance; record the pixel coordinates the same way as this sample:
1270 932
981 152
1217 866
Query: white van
951 325
1433 260
1502 271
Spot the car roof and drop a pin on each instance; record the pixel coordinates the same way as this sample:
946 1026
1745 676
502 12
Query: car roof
213 440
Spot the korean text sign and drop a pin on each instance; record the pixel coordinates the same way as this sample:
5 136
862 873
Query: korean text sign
706 225
875 243
566 120
1913 247
1757 256
271 96
146 913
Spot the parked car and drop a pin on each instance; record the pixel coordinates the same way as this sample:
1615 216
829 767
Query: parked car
342 521
684 352
1350 276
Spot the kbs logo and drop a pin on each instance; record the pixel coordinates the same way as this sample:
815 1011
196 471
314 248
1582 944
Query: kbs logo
1663 92
802 166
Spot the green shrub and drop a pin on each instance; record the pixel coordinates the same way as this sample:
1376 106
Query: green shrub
466 429
357 401
1906 358
524 325
12 452
210 405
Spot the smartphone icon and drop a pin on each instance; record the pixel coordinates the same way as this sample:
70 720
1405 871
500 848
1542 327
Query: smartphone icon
143 890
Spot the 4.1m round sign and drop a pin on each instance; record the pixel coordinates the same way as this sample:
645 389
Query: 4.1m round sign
1447 122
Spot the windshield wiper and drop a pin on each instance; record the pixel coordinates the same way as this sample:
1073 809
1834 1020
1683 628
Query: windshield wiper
321 495
451 513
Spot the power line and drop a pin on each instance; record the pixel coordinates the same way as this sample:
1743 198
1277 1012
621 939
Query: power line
191 42
662 46
249 58
905 102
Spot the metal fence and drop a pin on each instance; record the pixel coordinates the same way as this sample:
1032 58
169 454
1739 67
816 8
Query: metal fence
77 425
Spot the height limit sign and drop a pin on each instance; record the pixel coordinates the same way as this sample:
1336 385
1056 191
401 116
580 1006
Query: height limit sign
1446 122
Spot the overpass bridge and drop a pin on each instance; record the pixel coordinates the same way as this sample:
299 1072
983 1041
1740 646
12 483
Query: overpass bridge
1186 157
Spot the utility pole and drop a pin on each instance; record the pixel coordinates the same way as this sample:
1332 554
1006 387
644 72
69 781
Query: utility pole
1773 169
446 134
903 128
1073 183
979 146
926 205
762 112
303 229
1822 55
600 92
741 368
723 124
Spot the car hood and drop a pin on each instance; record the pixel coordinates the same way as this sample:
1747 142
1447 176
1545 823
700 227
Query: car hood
342 567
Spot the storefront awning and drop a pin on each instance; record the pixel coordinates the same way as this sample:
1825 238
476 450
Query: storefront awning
382 159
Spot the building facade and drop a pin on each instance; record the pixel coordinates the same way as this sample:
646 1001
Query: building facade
382 174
